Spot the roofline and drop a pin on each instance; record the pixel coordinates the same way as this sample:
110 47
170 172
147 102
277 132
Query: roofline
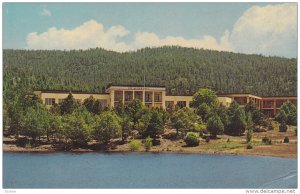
279 97
69 91
185 95
125 85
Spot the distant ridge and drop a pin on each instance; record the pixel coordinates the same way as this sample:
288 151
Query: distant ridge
181 70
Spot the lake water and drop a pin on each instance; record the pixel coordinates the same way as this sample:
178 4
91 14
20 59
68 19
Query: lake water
146 170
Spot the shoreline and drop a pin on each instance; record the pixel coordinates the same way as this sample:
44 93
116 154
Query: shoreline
6 149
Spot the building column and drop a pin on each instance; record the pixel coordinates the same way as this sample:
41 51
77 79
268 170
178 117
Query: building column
152 98
133 97
112 99
188 104
123 100
248 100
143 101
163 94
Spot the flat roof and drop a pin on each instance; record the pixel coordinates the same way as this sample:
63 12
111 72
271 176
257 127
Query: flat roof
129 85
279 97
70 91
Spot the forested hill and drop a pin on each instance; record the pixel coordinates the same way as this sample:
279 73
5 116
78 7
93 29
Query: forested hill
181 70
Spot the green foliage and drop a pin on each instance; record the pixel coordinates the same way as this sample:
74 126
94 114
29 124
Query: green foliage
126 126
215 126
69 105
35 122
281 117
249 127
207 139
287 114
184 120
283 127
250 107
93 105
237 120
256 114
192 139
155 125
182 70
205 101
148 143
266 140
75 128
204 96
107 127
135 109
134 145
249 145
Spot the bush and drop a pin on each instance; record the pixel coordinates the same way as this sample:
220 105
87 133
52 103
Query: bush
249 145
283 127
286 140
207 139
267 140
192 139
134 145
249 135
148 143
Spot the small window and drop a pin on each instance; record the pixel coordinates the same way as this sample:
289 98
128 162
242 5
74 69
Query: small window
50 101
181 104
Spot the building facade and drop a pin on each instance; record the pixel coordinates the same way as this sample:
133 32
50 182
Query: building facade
155 96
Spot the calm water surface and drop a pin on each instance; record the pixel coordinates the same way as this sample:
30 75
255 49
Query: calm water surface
146 170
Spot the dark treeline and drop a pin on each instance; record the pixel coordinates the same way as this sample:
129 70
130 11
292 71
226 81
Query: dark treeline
181 70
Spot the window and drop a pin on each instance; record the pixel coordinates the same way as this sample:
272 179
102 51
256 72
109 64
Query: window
128 95
148 96
138 95
118 96
157 97
50 101
181 104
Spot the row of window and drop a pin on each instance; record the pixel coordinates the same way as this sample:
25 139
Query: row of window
128 96
51 101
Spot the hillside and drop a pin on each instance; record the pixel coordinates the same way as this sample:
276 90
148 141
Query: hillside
181 70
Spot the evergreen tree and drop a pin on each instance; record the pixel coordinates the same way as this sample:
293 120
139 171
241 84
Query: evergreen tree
68 105
215 126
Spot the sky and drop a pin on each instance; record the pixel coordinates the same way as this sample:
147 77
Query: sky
251 28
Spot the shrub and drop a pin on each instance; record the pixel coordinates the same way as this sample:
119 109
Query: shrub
283 127
134 145
267 140
148 143
249 135
192 139
249 145
207 139
286 140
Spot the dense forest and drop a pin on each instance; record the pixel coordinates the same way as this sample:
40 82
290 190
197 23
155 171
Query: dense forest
181 70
